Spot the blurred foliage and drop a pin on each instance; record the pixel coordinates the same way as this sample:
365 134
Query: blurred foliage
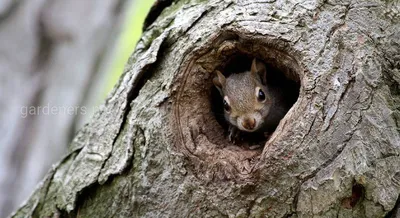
131 32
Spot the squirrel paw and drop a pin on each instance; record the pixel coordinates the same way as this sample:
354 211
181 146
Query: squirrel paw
267 135
233 134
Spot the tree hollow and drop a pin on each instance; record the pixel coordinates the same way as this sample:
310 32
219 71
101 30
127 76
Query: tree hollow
198 113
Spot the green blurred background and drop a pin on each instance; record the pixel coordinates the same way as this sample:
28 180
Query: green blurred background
131 32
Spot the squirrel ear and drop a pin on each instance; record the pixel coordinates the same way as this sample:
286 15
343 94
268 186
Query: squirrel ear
219 81
258 68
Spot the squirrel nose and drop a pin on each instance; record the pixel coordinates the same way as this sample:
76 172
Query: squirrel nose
249 123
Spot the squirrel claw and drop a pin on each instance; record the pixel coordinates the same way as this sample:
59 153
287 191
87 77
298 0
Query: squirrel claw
233 134
267 135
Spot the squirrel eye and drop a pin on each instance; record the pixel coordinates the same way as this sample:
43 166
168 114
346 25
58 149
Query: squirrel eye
227 108
260 95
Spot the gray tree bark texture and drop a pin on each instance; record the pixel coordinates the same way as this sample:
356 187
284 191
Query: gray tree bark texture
52 54
155 148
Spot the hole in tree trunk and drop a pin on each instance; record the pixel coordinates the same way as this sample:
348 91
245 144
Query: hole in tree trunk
198 122
356 196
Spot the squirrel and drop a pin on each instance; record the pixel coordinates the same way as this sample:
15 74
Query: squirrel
250 103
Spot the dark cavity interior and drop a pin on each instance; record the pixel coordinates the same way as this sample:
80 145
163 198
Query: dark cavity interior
240 63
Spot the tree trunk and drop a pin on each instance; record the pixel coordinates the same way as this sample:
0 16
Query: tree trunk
53 56
157 149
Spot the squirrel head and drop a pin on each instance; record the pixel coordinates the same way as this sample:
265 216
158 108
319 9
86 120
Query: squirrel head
246 99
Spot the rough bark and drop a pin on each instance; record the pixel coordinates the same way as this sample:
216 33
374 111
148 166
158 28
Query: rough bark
53 54
155 148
